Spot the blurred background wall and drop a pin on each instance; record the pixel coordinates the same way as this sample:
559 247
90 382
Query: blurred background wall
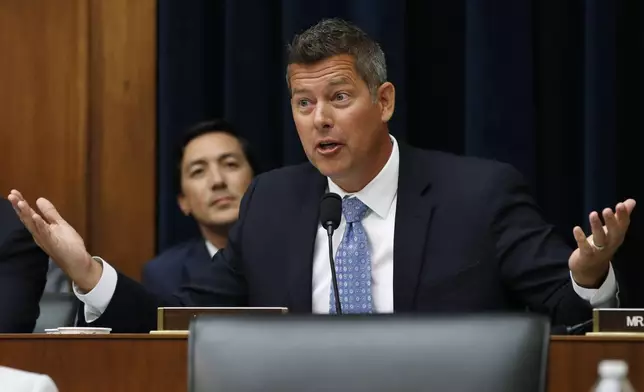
77 117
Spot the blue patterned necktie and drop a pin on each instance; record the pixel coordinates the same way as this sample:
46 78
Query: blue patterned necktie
353 262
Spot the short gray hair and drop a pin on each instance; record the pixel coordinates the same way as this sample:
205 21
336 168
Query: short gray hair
333 37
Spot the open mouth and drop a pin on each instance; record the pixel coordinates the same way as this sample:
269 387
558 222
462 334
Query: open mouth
328 147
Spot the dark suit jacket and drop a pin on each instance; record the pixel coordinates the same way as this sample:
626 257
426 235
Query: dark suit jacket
23 273
163 275
468 238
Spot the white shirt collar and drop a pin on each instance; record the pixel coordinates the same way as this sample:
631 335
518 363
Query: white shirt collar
379 194
211 248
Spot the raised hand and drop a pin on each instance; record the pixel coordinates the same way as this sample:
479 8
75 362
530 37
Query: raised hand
58 239
590 262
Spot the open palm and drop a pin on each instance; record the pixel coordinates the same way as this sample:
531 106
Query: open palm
53 234
591 260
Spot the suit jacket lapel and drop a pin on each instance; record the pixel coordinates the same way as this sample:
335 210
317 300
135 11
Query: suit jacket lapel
413 214
301 242
198 256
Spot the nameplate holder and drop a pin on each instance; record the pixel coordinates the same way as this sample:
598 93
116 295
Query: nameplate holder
179 318
618 320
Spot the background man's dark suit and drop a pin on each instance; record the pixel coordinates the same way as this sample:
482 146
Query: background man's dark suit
468 238
23 273
164 274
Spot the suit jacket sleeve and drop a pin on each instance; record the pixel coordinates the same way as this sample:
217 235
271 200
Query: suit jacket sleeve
533 257
23 274
221 283
152 279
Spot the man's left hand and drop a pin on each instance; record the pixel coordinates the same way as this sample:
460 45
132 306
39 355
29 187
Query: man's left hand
590 262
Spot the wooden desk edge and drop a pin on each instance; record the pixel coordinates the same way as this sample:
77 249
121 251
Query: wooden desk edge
112 336
181 335
598 338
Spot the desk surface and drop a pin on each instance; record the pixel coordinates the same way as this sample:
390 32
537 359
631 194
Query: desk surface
101 363
119 336
131 362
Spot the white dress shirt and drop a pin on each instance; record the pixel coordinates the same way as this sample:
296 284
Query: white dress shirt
380 196
211 248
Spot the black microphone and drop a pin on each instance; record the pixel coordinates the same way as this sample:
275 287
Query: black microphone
330 215
579 329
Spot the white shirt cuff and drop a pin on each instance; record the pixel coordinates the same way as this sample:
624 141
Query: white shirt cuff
603 297
97 300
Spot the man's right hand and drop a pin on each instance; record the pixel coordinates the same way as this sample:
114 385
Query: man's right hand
59 240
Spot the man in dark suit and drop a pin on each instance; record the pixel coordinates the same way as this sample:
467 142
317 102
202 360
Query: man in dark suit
23 274
164 274
213 170
420 232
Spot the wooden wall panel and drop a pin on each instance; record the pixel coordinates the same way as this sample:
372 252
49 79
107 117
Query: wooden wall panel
122 132
43 102
77 117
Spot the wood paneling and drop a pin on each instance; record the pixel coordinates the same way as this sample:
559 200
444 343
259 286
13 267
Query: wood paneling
77 117
122 132
574 359
43 103
113 363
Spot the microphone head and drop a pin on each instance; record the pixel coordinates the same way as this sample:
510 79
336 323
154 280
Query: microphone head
330 210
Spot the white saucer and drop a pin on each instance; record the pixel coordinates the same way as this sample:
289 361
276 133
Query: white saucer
51 330
84 330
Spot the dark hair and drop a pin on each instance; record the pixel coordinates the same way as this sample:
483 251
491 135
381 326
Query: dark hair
332 37
206 127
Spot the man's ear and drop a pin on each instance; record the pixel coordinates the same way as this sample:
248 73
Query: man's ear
387 100
184 206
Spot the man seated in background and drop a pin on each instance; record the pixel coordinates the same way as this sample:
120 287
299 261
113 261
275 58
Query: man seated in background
214 166
23 273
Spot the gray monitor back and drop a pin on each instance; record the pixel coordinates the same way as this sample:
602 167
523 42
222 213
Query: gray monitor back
368 353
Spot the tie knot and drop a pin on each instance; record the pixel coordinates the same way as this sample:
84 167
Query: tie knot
353 209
